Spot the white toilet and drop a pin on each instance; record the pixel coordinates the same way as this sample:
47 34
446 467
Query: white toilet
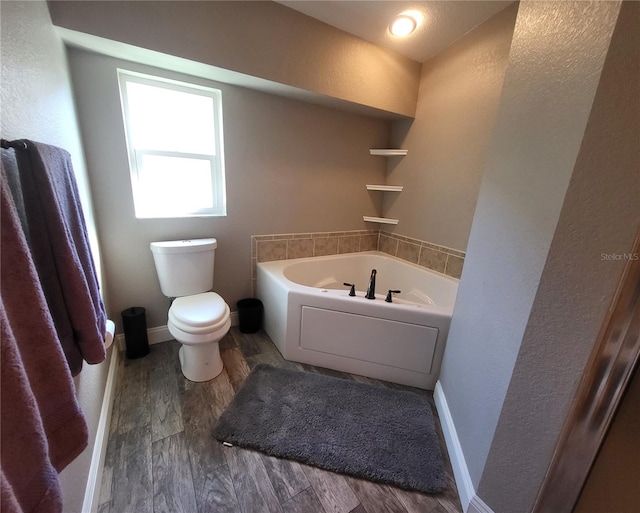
198 319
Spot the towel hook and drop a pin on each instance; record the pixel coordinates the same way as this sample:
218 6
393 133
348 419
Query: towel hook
18 145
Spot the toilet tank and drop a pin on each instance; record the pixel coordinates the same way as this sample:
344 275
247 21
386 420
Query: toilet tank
184 267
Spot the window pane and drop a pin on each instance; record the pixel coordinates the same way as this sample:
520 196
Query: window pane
173 186
169 120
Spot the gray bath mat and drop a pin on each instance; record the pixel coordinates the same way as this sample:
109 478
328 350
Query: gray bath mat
366 431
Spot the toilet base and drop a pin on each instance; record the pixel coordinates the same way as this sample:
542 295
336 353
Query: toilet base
200 362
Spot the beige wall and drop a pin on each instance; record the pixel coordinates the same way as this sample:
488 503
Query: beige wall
261 39
36 103
448 140
290 167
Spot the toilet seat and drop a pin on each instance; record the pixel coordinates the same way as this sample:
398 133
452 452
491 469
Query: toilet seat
199 314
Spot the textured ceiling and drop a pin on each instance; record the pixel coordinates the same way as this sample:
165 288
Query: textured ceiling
444 21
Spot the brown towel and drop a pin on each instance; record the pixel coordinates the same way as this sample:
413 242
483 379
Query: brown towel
43 428
61 252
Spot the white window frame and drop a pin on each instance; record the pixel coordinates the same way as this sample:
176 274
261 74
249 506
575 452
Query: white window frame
136 154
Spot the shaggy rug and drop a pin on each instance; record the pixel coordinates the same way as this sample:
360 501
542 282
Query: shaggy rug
366 431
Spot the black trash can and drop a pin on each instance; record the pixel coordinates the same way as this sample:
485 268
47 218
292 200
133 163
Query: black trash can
135 332
250 314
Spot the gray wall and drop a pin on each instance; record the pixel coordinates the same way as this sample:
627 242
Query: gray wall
260 39
290 167
600 215
449 137
37 103
534 249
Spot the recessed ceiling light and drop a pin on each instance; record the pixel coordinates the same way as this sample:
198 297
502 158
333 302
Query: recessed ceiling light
405 23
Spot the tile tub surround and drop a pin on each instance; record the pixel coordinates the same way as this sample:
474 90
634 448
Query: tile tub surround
432 256
266 248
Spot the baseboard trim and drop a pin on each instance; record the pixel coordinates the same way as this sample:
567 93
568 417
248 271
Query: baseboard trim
461 474
471 503
477 505
159 334
92 491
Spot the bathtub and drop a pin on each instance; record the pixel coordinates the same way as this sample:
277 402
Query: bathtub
311 318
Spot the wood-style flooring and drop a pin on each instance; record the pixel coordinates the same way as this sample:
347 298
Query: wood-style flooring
161 456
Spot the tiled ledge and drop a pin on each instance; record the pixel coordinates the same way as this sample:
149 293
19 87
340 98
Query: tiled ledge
285 246
432 256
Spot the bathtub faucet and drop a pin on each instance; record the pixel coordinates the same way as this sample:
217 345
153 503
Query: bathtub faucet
352 292
389 295
371 289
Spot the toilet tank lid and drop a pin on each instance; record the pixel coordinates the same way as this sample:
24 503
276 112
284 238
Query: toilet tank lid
184 246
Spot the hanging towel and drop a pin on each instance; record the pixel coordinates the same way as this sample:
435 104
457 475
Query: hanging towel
61 252
13 178
43 428
31 482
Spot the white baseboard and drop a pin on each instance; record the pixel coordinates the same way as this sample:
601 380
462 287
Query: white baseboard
477 505
159 334
461 474
154 336
92 491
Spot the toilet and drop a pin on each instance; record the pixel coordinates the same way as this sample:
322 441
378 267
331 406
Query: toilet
198 318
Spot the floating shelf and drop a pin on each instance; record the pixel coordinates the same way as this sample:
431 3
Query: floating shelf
387 188
381 220
388 152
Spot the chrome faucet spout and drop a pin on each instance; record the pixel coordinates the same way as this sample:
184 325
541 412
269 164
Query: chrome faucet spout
371 289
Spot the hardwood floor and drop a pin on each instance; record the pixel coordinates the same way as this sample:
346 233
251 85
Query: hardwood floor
161 456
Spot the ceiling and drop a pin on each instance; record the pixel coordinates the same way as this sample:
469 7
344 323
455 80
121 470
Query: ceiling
444 21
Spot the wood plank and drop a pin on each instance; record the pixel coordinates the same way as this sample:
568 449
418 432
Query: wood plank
416 502
449 507
305 502
375 497
199 414
236 366
166 416
246 342
332 490
173 490
110 461
104 507
449 499
215 491
286 476
260 349
135 397
221 393
228 342
253 488
132 482
117 393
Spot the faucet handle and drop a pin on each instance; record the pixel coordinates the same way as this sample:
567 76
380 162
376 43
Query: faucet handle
352 292
388 298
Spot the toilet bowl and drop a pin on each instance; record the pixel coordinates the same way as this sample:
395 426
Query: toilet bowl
198 318
198 322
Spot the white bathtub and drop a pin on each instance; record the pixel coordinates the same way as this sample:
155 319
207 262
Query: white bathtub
311 318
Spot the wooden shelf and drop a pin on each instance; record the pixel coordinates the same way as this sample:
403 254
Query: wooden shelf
388 152
381 220
386 188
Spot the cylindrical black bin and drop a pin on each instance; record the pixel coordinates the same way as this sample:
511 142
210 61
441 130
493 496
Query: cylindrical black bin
250 314
135 332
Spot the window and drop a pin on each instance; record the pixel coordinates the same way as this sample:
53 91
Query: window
174 140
